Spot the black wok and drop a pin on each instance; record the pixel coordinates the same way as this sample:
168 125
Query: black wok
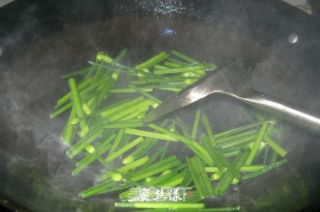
42 40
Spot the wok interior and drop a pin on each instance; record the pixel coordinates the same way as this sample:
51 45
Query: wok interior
36 173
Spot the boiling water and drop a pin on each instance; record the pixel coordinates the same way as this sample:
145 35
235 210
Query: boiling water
34 168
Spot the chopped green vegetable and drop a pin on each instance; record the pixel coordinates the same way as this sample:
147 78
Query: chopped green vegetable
276 147
104 125
126 168
129 90
117 141
256 144
81 144
208 129
196 124
159 205
265 170
212 152
154 60
183 56
148 134
124 149
118 108
156 170
77 101
87 160
195 178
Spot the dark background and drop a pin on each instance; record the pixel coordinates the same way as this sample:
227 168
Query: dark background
23 23
35 19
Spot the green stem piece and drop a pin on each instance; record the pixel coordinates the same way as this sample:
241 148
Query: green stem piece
89 74
275 154
153 158
87 160
203 157
163 154
168 171
195 178
142 150
183 56
216 176
187 179
168 85
129 90
171 134
83 142
160 205
61 110
216 209
126 139
157 66
147 168
229 166
235 137
172 65
176 180
124 149
204 176
67 97
97 74
242 141
122 124
208 129
154 60
77 101
108 190
177 61
256 144
128 110
116 108
276 147
98 85
100 188
113 173
116 141
76 73
251 168
200 177
159 180
156 171
124 169
135 115
227 178
177 70
212 152
185 140
196 124
69 130
265 170
184 128
148 134
113 105
149 96
239 129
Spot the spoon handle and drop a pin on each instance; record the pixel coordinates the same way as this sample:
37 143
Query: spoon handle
297 115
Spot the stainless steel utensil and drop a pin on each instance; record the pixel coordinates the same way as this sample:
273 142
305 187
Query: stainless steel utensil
234 80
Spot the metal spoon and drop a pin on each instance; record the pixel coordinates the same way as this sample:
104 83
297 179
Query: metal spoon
235 80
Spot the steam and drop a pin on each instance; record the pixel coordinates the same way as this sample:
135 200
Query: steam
32 150
31 86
